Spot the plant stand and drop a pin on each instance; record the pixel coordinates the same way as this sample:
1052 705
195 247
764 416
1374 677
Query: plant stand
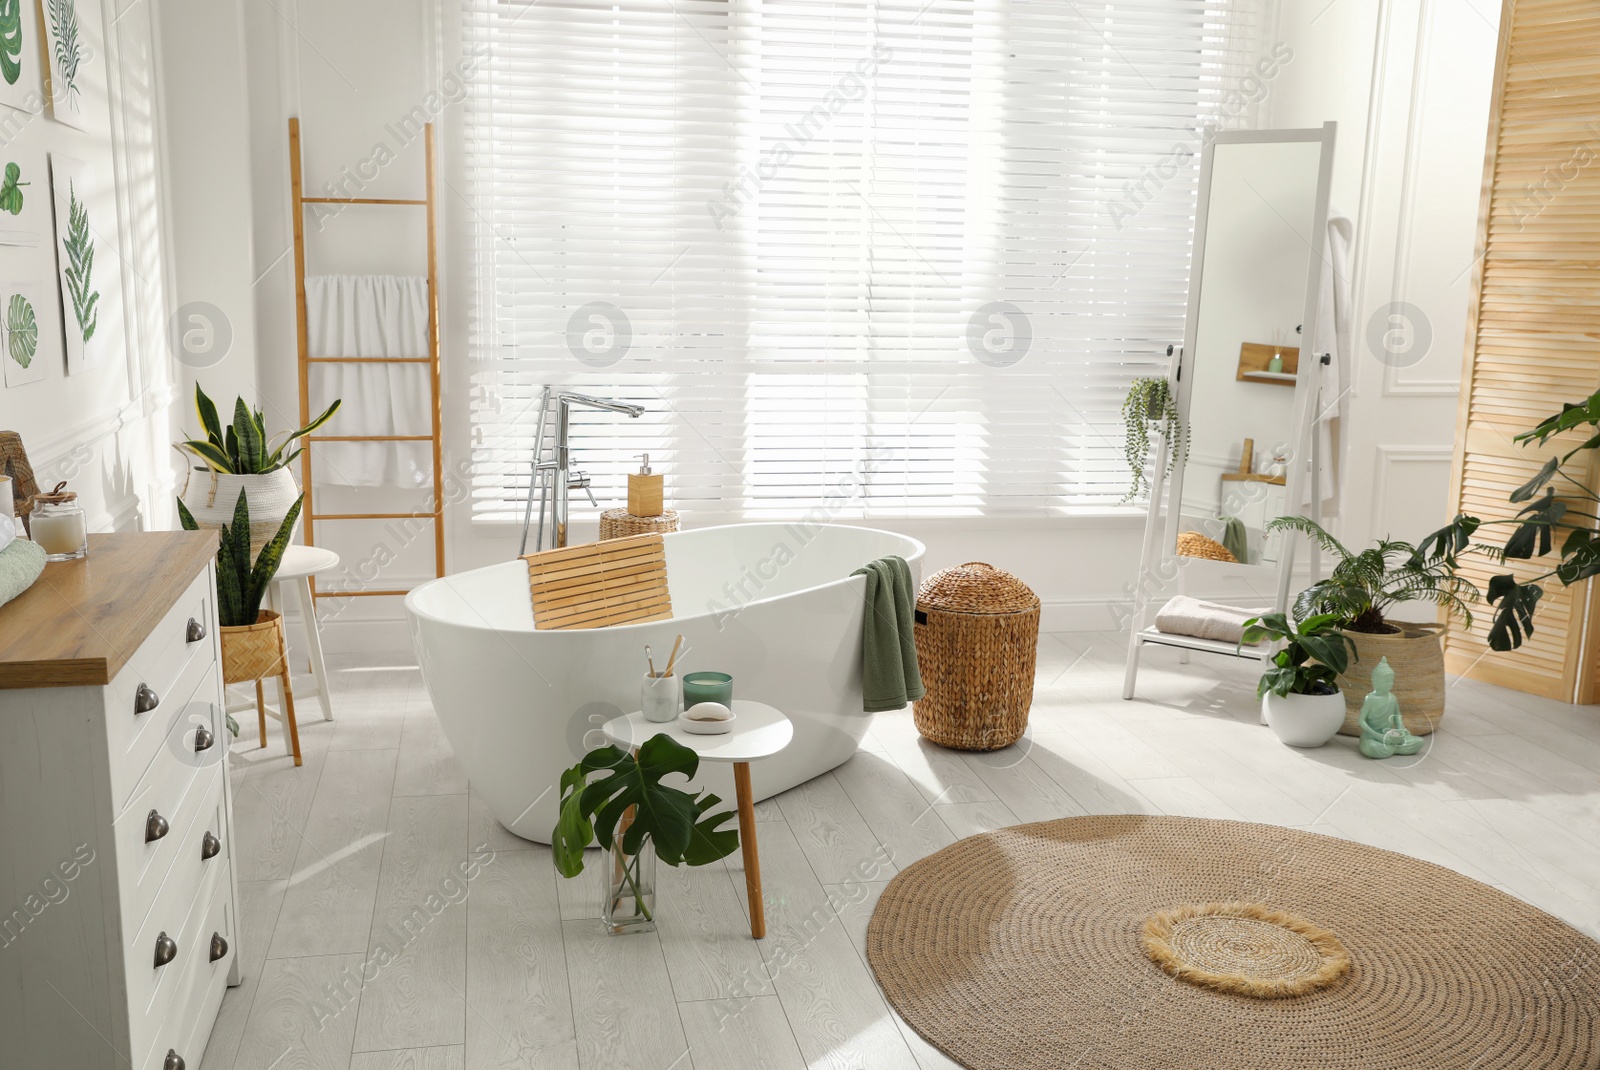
250 654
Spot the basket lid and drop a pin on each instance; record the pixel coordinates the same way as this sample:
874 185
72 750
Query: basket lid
976 587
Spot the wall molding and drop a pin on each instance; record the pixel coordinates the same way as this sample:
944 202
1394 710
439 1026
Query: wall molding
1389 456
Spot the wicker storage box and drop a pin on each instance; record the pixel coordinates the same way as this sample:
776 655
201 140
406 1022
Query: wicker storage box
619 523
977 643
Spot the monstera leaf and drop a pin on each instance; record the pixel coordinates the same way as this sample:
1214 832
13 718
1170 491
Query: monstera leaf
10 40
11 189
22 330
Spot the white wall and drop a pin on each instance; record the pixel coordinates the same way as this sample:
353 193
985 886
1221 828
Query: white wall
1407 80
105 429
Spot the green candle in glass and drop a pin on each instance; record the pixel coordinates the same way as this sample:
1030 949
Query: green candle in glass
707 687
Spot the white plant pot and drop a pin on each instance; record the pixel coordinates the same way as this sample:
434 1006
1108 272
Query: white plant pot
212 496
1303 720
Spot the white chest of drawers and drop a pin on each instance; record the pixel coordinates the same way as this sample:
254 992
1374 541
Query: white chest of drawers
118 898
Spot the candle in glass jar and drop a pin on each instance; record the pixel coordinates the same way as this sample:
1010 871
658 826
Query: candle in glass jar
62 536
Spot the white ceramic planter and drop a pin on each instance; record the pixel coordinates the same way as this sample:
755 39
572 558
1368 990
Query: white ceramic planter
1303 720
212 496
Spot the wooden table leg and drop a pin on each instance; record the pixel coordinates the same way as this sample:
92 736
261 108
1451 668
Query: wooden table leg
747 845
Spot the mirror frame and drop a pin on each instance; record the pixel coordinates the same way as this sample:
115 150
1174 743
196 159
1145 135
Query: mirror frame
1307 376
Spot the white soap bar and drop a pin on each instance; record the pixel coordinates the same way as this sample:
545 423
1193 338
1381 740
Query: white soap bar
708 711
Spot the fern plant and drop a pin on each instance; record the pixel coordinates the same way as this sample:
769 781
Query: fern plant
79 246
1150 400
69 51
1362 586
242 448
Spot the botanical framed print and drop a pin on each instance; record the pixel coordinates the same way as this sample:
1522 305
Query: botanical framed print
75 80
77 243
23 349
21 78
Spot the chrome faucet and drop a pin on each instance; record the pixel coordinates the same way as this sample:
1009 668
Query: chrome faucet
555 479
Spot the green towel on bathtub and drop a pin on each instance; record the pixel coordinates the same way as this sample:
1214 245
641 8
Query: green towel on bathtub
20 564
889 676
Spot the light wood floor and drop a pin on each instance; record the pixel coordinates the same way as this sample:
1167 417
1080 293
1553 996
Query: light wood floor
361 846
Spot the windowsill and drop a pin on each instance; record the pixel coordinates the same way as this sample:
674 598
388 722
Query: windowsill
1113 517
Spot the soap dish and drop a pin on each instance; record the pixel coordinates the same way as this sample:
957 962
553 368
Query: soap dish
707 726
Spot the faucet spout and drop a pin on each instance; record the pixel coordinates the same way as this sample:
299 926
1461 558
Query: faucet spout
601 403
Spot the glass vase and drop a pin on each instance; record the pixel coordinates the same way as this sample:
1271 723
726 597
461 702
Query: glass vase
630 890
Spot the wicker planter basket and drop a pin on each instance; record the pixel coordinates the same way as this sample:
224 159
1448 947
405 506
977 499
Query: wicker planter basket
619 523
256 652
977 644
1417 658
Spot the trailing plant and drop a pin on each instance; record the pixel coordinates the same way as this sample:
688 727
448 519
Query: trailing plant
242 583
1150 399
1363 586
22 330
1315 652
69 53
11 188
79 245
1535 526
242 448
675 821
10 40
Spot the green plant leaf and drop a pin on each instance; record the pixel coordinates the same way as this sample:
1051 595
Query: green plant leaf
1513 622
276 460
11 187
270 558
249 438
10 46
208 416
186 519
79 247
22 330
68 50
230 600
1531 487
215 458
240 549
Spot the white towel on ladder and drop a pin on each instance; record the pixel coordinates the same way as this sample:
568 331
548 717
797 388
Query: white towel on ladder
371 316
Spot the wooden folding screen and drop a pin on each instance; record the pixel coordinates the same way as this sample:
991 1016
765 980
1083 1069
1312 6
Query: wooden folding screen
1533 335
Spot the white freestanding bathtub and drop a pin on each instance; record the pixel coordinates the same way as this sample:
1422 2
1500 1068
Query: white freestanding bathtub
772 604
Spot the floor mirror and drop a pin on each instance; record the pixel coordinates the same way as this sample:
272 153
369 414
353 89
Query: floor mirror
1245 383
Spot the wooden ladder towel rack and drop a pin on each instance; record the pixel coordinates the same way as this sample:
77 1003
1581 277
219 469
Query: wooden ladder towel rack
435 514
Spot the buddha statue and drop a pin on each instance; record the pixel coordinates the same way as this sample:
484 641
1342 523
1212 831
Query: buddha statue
1383 731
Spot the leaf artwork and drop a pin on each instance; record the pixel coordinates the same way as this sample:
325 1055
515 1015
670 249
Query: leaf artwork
10 40
10 188
22 330
69 52
80 254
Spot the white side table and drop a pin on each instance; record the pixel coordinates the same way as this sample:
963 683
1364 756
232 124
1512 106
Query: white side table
299 564
759 731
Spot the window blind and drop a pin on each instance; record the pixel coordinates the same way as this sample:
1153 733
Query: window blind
856 259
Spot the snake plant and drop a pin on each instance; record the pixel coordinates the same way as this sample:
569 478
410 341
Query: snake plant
242 448
241 583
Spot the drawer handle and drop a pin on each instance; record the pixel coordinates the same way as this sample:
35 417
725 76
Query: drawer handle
210 846
174 1061
203 738
219 946
145 699
195 632
155 827
166 950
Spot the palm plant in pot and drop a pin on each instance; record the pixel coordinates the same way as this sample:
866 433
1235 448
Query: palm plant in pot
1299 699
637 819
240 459
252 638
1362 589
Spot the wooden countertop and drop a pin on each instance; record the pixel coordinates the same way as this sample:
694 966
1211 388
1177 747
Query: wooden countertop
82 620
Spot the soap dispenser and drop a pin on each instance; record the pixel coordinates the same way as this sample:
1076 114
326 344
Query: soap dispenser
645 490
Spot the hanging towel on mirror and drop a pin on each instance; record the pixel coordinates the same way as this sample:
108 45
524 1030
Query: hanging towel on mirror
1234 540
889 676
371 316
1333 336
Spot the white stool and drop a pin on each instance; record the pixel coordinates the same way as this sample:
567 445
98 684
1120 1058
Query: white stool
294 575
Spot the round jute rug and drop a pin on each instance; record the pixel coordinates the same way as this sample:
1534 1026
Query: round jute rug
1021 950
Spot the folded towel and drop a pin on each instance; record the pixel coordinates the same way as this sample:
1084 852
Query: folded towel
889 676
20 565
1203 620
1234 540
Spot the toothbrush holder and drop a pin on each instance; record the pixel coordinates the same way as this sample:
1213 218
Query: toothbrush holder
660 699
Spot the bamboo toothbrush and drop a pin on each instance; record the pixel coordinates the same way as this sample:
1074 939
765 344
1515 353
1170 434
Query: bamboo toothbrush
648 660
673 657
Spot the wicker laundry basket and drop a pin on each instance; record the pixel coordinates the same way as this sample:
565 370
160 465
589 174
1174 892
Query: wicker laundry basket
619 523
977 644
1194 544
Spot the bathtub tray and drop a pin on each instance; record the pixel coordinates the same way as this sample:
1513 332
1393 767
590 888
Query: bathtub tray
618 581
